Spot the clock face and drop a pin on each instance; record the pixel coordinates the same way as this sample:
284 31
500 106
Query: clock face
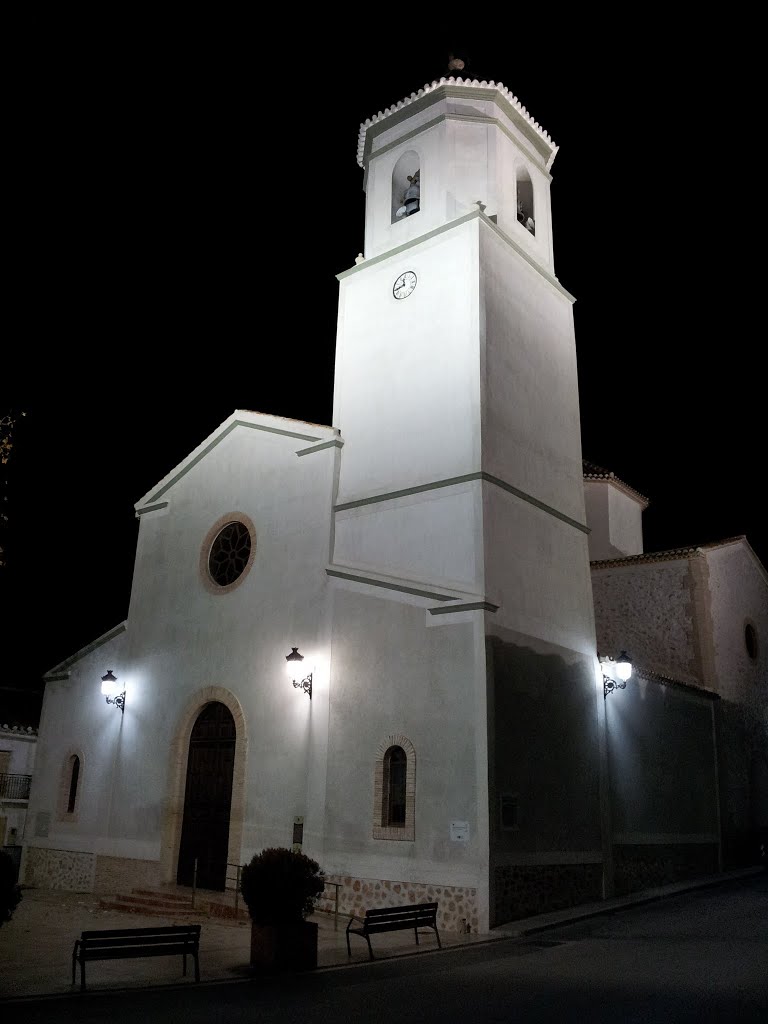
404 285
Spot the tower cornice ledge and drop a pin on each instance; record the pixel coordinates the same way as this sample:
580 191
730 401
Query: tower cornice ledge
446 88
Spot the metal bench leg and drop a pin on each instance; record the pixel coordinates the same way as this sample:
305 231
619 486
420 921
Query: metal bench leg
82 975
437 936
197 967
184 972
416 933
74 961
370 951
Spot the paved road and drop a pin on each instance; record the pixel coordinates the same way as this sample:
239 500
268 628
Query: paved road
698 957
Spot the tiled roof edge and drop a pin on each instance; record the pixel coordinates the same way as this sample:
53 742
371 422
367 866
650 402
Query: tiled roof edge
665 556
605 474
658 677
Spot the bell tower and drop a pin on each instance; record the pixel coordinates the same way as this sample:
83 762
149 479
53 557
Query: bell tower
456 365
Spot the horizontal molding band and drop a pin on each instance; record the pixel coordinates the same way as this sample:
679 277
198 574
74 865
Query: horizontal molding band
470 606
454 481
334 443
665 839
386 585
151 508
548 857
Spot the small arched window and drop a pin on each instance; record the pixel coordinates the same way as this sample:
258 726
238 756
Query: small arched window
394 786
395 768
74 778
525 210
406 186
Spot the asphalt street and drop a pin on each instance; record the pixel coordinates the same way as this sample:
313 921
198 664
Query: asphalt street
701 956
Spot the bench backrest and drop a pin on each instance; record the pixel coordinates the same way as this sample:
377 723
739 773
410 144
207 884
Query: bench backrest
116 938
414 914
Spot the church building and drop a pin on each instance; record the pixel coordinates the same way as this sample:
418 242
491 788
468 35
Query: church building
397 642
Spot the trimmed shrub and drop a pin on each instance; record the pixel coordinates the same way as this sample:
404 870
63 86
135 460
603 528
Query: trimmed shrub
280 886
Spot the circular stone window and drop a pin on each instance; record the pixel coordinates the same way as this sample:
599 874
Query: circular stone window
750 640
227 552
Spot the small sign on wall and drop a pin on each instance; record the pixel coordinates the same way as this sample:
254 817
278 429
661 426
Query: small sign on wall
460 831
298 834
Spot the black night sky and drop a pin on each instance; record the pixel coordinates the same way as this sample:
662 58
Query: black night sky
185 194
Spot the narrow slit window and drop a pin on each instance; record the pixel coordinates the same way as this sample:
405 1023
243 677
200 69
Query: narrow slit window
74 778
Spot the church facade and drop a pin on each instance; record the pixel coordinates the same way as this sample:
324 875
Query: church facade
447 584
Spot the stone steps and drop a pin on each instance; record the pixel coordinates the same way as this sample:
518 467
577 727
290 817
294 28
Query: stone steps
170 903
152 903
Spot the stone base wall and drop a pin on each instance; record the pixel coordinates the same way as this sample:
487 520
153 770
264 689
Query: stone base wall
640 867
523 890
121 874
456 911
59 869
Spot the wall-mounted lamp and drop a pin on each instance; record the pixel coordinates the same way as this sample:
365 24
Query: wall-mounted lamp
622 669
294 660
111 690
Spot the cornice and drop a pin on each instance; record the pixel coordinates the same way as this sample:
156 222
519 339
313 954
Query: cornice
471 88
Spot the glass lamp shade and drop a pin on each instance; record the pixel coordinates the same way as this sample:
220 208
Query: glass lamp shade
109 685
293 663
623 666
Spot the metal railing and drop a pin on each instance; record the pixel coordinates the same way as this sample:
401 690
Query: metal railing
334 899
231 884
15 787
233 880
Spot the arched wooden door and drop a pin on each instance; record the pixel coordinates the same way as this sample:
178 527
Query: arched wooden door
207 799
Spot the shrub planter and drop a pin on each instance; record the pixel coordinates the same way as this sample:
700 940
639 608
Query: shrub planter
280 887
286 947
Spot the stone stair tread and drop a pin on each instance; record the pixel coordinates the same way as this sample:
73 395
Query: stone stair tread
148 909
148 901
162 894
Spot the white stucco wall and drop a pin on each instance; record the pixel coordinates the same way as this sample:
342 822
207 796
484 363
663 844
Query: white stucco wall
407 385
394 674
530 413
76 720
615 520
537 572
738 587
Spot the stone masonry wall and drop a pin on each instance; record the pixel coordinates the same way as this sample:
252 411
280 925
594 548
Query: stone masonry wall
457 905
638 867
59 869
524 890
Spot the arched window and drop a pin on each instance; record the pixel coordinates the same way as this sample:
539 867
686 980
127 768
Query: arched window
525 210
395 767
394 787
406 186
74 778
70 785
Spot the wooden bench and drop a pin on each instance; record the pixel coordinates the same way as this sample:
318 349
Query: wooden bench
394 919
122 943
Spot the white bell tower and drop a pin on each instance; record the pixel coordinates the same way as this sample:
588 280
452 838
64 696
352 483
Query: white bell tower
456 384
